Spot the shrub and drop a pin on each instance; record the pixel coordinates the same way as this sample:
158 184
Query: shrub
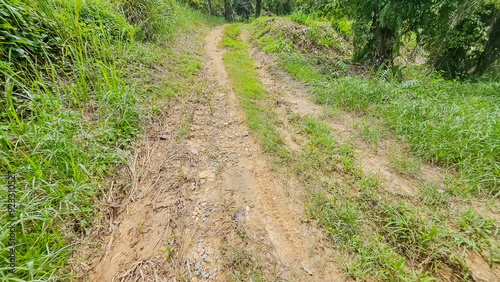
154 19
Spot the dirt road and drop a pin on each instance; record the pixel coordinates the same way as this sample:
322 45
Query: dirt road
208 206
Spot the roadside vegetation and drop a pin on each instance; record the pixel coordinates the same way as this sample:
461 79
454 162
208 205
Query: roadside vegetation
82 81
77 88
448 123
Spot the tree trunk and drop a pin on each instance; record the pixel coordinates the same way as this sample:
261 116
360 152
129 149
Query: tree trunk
384 38
210 7
381 45
491 51
228 10
258 8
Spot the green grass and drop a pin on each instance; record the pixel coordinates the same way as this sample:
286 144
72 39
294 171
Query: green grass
455 124
247 85
68 114
404 163
393 239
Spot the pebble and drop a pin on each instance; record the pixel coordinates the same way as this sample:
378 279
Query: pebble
194 151
204 256
244 133
211 271
202 181
164 136
197 273
197 266
306 269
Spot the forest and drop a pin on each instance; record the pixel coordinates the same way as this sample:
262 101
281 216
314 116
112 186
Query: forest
249 140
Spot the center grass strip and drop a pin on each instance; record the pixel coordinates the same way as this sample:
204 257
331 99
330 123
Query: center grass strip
247 85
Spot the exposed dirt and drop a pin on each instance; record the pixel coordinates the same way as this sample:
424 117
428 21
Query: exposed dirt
292 98
208 206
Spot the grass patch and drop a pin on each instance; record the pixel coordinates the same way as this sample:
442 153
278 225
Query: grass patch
247 85
445 122
69 112
404 163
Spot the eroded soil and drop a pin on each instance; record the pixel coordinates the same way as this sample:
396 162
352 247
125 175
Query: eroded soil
209 206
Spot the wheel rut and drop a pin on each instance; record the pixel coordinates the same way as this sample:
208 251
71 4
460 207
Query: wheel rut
203 203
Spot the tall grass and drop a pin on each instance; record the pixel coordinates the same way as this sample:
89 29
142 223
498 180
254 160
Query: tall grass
68 112
451 123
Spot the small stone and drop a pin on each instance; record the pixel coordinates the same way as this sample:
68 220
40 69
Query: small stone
202 181
194 279
204 256
194 151
211 271
197 266
164 136
197 273
244 133
205 275
307 270
208 176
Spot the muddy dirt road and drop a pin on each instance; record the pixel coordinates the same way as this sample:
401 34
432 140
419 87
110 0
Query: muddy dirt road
208 206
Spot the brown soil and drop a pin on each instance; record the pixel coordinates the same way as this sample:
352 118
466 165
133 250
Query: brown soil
209 207
292 98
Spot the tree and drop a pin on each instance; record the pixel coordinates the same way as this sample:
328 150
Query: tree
465 39
210 7
228 10
258 8
379 26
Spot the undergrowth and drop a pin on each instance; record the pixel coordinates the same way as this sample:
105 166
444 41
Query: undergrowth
455 124
383 239
72 102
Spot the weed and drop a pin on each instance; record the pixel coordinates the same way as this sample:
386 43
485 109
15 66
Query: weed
432 196
243 266
278 46
404 163
372 133
246 83
168 252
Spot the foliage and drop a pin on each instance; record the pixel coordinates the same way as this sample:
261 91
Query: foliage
279 7
154 19
462 36
39 28
470 43
69 110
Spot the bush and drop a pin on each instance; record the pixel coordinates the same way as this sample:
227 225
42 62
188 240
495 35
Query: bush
154 19
25 31
40 28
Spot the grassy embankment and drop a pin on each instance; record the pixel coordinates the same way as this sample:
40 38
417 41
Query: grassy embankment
78 86
384 237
